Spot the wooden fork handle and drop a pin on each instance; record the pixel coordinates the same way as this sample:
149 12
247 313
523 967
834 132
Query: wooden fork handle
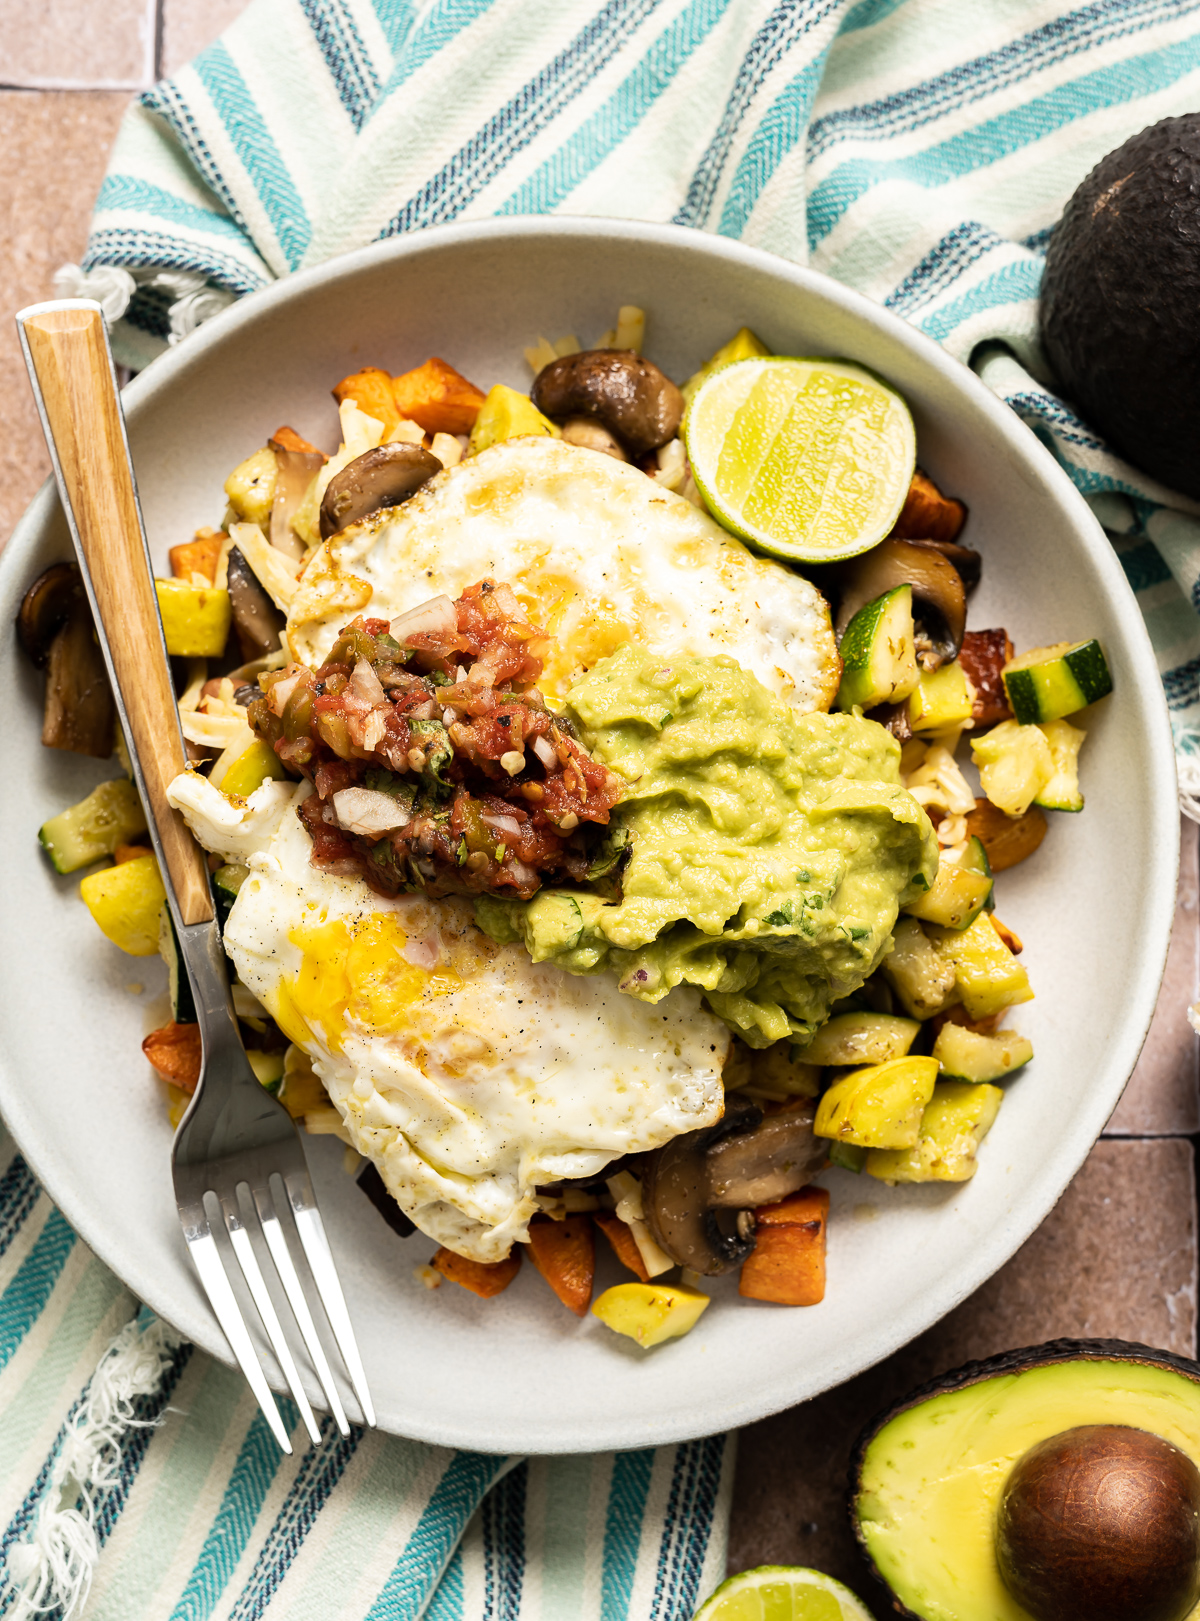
69 356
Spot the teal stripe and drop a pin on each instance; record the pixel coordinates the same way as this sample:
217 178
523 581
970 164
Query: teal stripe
623 1531
447 1603
395 18
456 1497
1011 284
249 1481
260 157
1144 566
778 132
867 13
999 137
604 131
23 1302
139 196
444 22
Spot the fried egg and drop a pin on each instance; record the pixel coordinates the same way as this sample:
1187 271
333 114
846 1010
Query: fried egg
599 555
466 1073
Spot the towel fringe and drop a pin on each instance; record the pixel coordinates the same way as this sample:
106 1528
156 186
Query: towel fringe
53 1568
194 299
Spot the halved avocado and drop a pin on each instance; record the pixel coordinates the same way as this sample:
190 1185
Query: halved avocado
928 1476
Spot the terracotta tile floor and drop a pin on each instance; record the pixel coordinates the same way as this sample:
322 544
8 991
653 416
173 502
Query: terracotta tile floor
1118 1256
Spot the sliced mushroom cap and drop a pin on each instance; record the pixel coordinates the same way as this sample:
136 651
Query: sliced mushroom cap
757 1167
45 608
676 1196
258 622
591 434
621 389
939 599
383 477
966 559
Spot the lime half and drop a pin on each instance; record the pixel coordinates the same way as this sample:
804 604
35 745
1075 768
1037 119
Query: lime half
782 1593
809 460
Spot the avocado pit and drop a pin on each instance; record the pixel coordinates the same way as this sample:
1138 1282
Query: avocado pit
1101 1523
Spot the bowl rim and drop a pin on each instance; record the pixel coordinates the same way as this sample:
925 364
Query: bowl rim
1162 837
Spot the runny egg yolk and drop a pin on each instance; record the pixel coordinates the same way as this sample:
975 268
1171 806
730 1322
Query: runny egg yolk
353 974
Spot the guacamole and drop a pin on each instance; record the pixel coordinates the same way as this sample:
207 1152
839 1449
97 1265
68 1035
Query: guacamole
767 852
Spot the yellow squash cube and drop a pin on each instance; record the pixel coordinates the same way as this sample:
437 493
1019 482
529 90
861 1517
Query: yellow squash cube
986 974
125 902
879 1106
251 487
942 698
250 770
650 1312
507 414
957 1119
195 618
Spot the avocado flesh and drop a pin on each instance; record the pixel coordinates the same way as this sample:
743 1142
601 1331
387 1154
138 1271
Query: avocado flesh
931 1478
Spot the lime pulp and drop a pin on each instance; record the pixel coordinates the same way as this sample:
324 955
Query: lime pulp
782 1593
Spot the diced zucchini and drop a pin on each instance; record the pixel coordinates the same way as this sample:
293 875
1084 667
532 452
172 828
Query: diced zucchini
226 883
183 1006
987 975
1049 682
879 654
975 859
507 414
742 346
958 1117
125 902
919 974
956 899
251 487
1062 791
1015 764
784 1068
195 618
862 1038
110 815
268 1068
941 698
849 1156
650 1312
965 1055
258 764
879 1106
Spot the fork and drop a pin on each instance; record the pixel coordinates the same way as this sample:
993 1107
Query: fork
237 1159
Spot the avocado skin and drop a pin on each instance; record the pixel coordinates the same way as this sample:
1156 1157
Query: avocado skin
1119 299
973 1373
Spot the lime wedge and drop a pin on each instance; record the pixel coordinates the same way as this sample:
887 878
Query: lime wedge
809 460
782 1593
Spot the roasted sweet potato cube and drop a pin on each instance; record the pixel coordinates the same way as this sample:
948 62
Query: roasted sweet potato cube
437 398
483 1278
927 514
175 1053
1007 839
288 439
564 1252
198 555
983 655
371 391
623 1242
787 1265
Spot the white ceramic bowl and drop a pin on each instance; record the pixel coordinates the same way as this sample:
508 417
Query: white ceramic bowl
1094 906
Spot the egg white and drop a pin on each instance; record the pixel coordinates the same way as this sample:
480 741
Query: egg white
493 1075
599 554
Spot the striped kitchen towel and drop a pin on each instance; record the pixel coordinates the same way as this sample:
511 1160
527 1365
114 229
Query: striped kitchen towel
920 150
139 1466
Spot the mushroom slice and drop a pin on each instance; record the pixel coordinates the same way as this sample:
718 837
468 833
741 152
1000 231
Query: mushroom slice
619 388
297 463
775 1158
55 629
966 559
676 1197
591 434
45 609
939 598
258 622
383 477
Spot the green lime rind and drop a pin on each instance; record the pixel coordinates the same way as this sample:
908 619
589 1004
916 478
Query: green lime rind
806 458
782 1593
1059 685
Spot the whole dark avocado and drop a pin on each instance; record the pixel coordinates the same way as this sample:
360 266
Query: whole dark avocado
1120 298
948 1484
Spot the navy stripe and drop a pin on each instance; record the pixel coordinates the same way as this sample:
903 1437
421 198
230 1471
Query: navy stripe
147 1411
510 130
145 250
1144 566
1182 685
687 1524
957 251
19 1190
502 1521
169 104
350 67
24 1300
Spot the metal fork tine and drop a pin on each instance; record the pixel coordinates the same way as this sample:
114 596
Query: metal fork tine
320 1261
203 1247
277 1243
252 1273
